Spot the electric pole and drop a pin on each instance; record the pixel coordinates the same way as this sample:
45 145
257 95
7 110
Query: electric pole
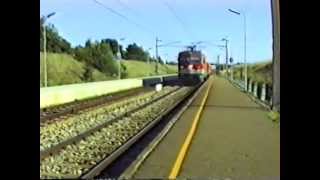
157 58
161 45
226 47
45 55
45 48
276 55
227 56
218 64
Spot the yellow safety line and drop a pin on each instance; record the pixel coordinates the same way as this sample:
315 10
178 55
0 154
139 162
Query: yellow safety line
183 151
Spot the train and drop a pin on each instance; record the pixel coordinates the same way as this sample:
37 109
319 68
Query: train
193 66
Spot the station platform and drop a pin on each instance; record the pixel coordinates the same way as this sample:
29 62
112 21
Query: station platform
234 139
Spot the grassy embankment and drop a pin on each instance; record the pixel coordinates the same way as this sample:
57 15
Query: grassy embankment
261 73
64 69
258 72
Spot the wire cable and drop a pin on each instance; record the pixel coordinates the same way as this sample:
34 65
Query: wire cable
129 8
123 16
182 23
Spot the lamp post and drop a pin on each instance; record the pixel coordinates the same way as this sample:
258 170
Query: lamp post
45 47
245 45
119 59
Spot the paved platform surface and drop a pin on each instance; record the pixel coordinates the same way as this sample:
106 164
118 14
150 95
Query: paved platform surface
234 140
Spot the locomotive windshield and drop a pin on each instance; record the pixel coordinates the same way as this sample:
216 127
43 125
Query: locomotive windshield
190 58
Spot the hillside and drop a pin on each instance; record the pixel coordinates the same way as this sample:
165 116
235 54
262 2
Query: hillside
64 69
140 69
259 72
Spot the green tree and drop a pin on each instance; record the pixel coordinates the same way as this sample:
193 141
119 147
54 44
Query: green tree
133 51
54 42
172 63
160 60
97 55
122 51
113 45
87 76
152 59
88 43
105 59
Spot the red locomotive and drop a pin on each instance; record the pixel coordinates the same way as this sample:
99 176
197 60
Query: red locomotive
193 66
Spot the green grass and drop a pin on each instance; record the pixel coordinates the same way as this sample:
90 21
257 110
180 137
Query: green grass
140 69
64 69
258 72
274 116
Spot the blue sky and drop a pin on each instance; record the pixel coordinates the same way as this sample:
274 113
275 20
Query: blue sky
202 20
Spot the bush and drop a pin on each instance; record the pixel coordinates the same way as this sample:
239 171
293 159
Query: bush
98 55
99 76
133 51
124 71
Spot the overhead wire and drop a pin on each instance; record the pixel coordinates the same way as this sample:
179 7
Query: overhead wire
181 22
129 8
171 9
123 17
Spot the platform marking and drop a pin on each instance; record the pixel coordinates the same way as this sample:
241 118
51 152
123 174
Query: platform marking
183 151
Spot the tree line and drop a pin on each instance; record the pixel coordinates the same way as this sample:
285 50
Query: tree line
100 55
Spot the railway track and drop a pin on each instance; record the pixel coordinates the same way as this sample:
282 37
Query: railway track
126 164
53 113
56 135
80 157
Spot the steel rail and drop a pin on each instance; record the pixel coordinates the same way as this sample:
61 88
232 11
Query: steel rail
181 108
113 156
56 148
74 107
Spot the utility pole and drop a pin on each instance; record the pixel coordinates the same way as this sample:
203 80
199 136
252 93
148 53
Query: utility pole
231 70
157 58
276 55
218 64
162 45
45 55
227 58
231 61
45 48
